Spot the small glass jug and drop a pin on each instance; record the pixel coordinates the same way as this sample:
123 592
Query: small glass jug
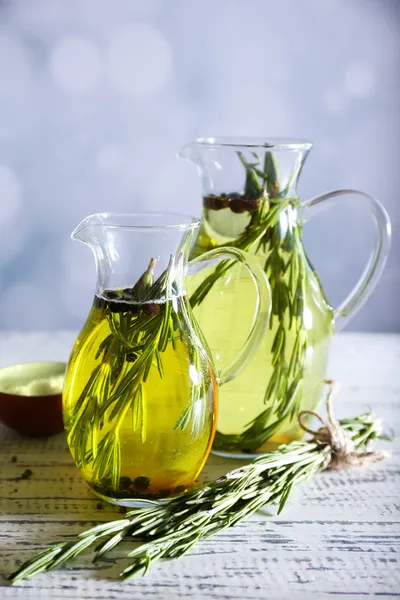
140 393
250 202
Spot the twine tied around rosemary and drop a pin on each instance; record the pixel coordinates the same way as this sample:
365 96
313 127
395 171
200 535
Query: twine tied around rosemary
342 451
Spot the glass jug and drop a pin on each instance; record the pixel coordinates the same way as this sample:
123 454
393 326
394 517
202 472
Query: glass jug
140 393
250 202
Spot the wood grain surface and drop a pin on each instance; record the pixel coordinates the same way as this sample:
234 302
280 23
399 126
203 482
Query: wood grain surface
338 538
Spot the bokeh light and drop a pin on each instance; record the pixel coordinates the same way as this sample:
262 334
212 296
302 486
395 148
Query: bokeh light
75 64
139 60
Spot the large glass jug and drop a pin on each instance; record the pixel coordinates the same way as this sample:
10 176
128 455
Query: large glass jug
250 201
140 393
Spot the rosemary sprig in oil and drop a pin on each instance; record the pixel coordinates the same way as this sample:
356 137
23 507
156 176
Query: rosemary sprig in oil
273 233
143 321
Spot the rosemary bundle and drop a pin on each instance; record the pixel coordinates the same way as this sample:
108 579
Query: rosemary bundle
274 234
169 530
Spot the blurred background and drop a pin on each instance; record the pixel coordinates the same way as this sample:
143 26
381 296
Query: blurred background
97 96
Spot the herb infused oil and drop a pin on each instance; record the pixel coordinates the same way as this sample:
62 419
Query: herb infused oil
139 397
253 414
258 410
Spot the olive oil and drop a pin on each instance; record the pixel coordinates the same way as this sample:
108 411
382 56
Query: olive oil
225 318
252 414
139 398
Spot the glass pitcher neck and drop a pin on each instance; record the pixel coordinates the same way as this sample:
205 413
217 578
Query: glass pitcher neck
249 167
146 252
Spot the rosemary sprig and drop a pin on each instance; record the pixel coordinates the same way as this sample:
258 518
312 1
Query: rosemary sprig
169 530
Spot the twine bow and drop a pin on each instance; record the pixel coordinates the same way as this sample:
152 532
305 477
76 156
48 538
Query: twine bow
342 452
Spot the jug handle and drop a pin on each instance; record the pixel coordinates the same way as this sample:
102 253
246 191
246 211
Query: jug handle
262 312
375 265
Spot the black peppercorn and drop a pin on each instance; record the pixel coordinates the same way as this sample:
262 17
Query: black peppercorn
208 201
111 295
237 205
141 483
219 203
151 309
252 204
124 482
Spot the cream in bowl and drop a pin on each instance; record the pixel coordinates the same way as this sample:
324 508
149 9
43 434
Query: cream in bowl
31 397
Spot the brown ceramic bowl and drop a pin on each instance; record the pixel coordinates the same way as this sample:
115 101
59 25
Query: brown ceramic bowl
31 398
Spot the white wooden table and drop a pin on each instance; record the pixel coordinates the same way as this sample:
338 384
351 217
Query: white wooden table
339 538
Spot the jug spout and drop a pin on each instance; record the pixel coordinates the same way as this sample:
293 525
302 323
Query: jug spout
86 229
249 166
189 152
